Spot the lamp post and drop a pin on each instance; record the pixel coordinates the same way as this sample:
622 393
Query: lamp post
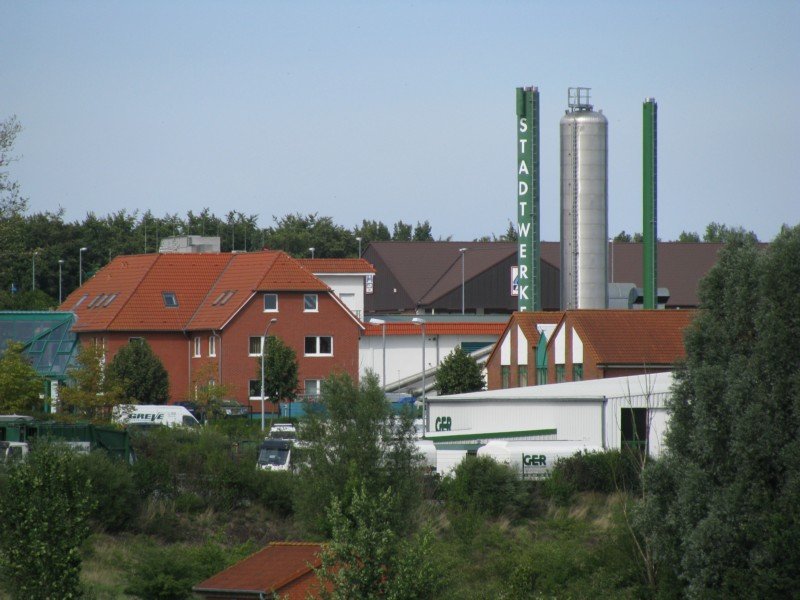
359 246
33 269
463 254
382 323
312 251
80 265
263 360
60 263
420 321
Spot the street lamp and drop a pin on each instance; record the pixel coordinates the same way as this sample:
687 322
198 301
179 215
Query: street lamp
80 265
312 251
463 254
60 263
263 360
33 269
420 321
359 246
382 323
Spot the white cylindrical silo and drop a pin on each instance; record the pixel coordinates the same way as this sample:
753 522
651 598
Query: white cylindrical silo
584 205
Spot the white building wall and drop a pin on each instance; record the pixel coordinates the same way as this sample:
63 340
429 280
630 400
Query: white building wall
577 348
522 347
404 353
350 288
560 347
505 351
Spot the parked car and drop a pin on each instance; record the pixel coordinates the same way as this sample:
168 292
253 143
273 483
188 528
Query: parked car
231 408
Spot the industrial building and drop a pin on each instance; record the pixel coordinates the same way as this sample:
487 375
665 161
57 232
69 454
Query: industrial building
551 420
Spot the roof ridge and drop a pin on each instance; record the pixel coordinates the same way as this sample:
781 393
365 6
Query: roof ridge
135 288
435 283
202 302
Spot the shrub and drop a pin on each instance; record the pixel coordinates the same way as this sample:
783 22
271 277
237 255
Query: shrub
114 491
483 486
604 472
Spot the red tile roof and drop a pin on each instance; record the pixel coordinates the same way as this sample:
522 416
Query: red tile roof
528 321
640 337
269 570
434 328
209 288
336 265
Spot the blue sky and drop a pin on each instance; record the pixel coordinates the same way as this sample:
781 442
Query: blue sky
399 110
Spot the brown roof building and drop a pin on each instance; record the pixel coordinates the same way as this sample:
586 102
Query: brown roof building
426 276
204 314
281 570
587 344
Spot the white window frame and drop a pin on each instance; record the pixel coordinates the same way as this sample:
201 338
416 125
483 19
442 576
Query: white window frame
260 345
276 303
212 345
317 344
197 348
306 297
318 386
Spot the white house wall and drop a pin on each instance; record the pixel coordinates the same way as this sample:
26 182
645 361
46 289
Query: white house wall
522 347
404 353
350 288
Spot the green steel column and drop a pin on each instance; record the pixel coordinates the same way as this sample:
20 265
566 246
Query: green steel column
649 203
529 288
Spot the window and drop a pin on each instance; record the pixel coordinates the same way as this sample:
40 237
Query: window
212 345
541 376
80 301
270 302
170 299
310 303
634 428
110 299
577 372
97 300
505 376
254 348
522 376
197 346
255 389
319 345
312 386
560 373
135 339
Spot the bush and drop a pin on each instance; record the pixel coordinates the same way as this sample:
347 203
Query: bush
114 491
604 472
483 486
168 573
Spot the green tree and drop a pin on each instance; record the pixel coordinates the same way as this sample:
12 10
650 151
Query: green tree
688 236
372 231
20 384
357 440
296 233
422 232
139 373
90 393
459 373
717 232
722 512
44 509
365 558
402 232
280 371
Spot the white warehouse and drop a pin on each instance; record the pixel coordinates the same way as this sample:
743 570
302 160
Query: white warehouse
550 420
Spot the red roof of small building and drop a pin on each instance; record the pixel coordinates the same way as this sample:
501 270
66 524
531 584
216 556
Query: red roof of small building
270 570
528 322
628 337
209 289
336 265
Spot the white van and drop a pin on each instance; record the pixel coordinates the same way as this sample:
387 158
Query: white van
154 414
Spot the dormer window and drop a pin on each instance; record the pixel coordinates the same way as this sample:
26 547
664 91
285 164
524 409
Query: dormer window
170 299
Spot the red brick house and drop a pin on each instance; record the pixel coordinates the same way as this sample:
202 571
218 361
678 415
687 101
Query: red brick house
281 570
589 344
512 362
204 315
